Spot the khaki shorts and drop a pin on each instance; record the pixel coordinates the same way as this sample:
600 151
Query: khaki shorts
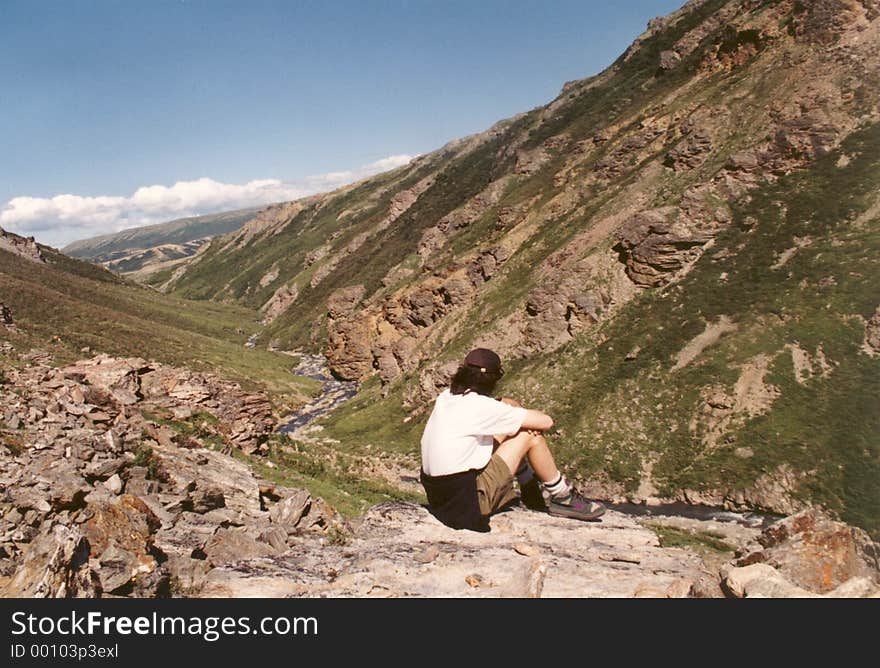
495 486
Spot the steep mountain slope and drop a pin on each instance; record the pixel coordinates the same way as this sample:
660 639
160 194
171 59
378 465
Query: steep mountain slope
146 250
677 257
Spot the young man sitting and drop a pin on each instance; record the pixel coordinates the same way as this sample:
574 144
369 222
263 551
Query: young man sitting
474 445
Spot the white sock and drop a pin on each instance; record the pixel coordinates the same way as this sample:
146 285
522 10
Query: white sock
558 489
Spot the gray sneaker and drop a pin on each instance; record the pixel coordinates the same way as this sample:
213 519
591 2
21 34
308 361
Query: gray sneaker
576 507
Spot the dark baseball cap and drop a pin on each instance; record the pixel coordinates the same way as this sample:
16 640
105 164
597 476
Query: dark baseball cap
485 359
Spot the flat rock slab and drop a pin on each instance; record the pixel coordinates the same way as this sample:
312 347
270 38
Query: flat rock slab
386 556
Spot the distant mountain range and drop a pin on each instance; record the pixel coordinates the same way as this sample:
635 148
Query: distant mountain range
141 251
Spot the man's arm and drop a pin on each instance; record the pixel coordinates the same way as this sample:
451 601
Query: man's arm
537 420
534 420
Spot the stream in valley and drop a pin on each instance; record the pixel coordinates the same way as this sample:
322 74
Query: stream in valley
333 394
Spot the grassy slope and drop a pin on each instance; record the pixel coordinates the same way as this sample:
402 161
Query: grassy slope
371 418
240 270
616 412
66 305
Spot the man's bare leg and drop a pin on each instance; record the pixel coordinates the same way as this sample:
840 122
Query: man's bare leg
563 499
533 446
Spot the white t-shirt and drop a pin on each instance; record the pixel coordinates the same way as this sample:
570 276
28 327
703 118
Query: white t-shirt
458 436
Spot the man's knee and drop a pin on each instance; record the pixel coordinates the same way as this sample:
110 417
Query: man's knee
536 439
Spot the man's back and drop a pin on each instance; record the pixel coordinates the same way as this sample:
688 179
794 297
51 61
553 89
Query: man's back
459 433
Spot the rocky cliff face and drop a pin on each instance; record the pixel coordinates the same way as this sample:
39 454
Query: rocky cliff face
558 235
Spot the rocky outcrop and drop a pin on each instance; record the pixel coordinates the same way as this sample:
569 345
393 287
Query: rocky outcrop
387 336
280 301
400 550
630 152
815 552
349 336
554 314
104 393
25 247
669 59
270 220
691 153
826 21
100 389
806 555
872 334
657 244
763 581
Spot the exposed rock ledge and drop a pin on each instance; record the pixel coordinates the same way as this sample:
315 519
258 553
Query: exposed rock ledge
399 549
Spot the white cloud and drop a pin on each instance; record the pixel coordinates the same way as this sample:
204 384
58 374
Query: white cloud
63 218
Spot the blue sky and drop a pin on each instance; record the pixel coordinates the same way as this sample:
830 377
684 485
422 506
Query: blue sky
147 111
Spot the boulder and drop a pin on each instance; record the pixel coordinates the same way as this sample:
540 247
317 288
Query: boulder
126 525
101 469
25 247
289 511
342 302
206 498
228 546
691 153
669 59
56 565
67 489
117 568
815 552
872 333
761 581
118 377
114 484
5 314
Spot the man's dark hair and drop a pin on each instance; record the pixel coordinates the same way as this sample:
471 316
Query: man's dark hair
475 379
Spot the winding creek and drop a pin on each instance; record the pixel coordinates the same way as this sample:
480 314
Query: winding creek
333 394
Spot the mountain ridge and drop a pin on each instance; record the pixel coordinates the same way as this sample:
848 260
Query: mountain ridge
142 251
